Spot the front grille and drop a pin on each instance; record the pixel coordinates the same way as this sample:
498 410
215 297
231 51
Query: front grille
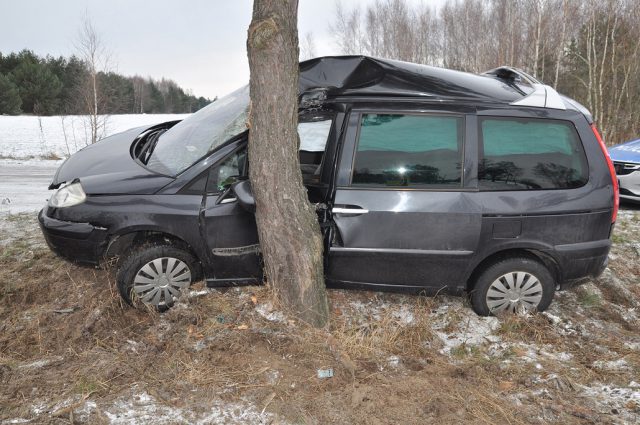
624 168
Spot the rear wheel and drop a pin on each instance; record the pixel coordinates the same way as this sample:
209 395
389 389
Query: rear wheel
155 276
513 285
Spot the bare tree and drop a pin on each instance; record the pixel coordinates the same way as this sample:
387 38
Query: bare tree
307 47
586 49
288 228
96 59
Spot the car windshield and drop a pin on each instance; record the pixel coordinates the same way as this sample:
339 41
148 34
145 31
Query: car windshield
192 138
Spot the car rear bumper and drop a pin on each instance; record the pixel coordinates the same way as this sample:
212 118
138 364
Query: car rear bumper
77 242
582 260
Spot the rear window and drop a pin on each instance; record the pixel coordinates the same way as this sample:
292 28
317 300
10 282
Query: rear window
530 154
416 151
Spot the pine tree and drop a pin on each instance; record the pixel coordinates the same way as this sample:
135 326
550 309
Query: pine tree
10 101
39 88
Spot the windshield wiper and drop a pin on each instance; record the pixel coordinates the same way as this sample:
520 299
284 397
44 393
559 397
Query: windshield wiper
149 145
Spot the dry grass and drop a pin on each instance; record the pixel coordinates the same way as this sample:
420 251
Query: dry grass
386 351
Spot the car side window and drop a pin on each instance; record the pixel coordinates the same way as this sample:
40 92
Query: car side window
530 154
313 141
413 151
227 172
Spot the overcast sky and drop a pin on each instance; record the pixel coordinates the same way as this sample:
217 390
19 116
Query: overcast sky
198 43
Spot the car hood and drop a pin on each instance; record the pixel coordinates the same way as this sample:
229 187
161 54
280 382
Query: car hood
106 168
626 152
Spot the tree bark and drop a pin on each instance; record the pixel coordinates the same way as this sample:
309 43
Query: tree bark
288 229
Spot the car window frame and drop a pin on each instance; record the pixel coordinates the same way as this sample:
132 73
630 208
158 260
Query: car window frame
464 140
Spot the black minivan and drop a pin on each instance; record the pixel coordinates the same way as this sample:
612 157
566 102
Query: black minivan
424 178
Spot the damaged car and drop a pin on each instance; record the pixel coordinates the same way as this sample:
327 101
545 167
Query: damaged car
424 179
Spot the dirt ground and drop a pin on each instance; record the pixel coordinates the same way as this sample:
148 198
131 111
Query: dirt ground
71 352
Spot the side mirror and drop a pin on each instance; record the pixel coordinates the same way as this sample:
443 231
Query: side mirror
243 192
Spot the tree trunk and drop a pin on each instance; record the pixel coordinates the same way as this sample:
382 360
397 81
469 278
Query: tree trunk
288 229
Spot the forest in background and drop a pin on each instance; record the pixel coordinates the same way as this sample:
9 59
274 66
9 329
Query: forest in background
586 49
31 84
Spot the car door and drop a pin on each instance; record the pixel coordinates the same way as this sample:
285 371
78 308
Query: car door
230 231
403 210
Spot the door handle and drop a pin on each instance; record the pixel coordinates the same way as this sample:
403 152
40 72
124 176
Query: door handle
349 211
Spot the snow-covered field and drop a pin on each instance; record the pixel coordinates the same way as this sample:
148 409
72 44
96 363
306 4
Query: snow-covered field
32 148
59 136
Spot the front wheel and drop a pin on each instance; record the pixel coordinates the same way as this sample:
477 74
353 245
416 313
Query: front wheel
513 285
155 276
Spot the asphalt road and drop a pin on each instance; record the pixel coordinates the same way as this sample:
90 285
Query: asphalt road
23 185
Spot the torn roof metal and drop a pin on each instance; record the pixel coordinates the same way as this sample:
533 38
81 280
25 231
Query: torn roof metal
363 75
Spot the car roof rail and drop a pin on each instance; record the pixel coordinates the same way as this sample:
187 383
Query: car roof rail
542 96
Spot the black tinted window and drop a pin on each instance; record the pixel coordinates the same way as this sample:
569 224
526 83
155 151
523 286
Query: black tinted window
529 154
409 151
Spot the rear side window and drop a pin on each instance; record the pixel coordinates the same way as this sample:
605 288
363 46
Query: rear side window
415 151
530 154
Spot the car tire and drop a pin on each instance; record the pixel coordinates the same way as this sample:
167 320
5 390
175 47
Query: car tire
512 285
155 276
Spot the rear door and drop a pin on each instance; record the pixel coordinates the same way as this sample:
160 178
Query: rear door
403 210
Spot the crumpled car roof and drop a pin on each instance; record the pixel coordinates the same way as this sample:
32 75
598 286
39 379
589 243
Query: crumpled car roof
363 75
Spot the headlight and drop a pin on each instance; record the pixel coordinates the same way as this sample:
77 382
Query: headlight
68 196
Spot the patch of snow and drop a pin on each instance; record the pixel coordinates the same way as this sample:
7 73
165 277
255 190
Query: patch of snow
393 361
266 310
200 345
41 363
404 315
620 364
38 408
132 346
273 376
83 412
623 401
199 293
563 325
16 421
632 345
142 408
468 328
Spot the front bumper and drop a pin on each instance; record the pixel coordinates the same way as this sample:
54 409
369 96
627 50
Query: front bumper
629 185
77 242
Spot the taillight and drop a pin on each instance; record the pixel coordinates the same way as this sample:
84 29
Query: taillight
612 172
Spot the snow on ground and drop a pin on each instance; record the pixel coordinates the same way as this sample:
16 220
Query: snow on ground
25 136
24 183
26 142
142 408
